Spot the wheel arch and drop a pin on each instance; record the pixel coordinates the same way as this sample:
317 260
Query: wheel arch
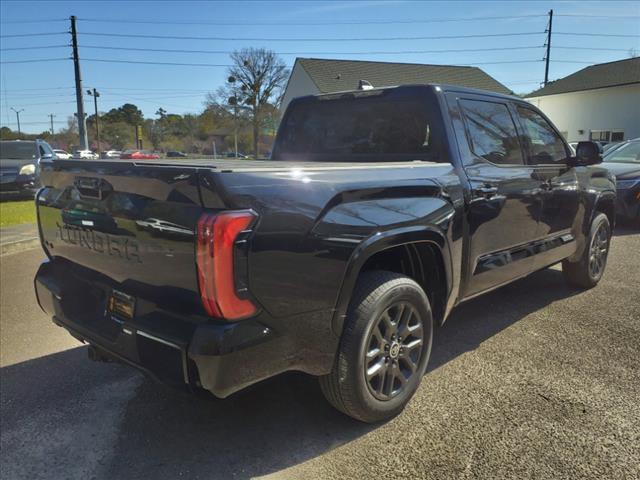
605 203
421 252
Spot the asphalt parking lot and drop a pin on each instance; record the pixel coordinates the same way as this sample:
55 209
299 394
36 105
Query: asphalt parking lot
535 380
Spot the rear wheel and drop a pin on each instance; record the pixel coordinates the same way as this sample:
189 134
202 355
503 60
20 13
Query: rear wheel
587 272
384 349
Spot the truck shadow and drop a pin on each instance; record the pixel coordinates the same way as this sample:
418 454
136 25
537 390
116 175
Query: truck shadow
277 424
475 321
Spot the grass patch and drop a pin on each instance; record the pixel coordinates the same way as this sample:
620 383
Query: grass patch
14 213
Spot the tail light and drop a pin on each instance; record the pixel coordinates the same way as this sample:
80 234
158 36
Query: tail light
215 254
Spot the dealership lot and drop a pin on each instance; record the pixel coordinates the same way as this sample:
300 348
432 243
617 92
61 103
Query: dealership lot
533 380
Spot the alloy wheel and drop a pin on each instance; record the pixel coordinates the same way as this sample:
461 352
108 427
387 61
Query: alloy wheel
393 351
598 251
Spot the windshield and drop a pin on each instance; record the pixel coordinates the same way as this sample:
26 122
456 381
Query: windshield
629 153
365 127
17 150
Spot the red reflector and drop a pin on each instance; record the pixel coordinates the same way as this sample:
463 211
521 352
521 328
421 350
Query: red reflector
214 257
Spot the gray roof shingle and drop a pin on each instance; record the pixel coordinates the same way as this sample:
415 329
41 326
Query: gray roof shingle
621 72
339 75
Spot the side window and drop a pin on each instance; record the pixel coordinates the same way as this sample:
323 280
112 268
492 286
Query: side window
493 134
45 149
546 146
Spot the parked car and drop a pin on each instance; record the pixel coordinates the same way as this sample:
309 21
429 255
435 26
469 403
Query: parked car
20 165
174 154
378 213
139 155
624 163
234 155
62 154
111 154
610 147
86 154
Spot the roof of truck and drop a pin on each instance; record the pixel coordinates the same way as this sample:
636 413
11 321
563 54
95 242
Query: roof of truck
440 86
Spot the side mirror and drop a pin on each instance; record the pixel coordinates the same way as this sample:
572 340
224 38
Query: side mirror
588 153
47 156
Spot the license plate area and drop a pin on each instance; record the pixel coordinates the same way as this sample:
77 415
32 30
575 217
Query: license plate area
121 305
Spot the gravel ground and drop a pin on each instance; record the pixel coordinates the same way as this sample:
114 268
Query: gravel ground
534 380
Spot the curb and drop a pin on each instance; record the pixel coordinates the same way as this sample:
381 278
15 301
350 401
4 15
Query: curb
19 246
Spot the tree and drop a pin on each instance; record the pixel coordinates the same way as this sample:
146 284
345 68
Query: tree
256 80
127 113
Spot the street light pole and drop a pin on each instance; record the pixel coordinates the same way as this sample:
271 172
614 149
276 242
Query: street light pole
18 117
95 94
234 101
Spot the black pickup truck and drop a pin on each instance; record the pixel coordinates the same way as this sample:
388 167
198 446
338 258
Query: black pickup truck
379 212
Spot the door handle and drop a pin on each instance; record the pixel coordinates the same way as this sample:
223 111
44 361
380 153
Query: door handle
486 191
546 185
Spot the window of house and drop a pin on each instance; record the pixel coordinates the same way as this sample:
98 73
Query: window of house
617 135
600 135
545 145
492 132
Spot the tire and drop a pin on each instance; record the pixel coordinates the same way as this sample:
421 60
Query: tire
380 299
587 272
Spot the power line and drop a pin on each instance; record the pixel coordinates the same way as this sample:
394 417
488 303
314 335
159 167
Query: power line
347 22
227 52
46 103
11 22
596 16
576 34
35 60
372 52
359 39
228 65
37 89
35 47
15 35
555 47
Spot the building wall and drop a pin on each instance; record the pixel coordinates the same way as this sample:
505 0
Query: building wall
613 108
300 84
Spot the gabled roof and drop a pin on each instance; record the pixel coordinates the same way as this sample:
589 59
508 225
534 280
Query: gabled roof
621 72
341 75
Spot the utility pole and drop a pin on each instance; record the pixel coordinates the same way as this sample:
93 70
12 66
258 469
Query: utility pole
95 94
18 117
51 115
548 55
82 121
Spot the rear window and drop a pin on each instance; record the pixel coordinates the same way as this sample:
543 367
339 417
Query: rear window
367 127
17 150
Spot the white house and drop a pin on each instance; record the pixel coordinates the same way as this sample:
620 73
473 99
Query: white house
600 102
311 76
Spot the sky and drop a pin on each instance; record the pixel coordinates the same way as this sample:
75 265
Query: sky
609 31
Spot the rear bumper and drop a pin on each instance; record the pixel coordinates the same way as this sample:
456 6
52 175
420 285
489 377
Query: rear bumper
220 357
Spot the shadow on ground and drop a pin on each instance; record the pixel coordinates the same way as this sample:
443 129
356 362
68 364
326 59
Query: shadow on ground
277 424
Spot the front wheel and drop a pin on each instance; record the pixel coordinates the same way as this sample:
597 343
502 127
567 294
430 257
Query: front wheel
587 272
384 349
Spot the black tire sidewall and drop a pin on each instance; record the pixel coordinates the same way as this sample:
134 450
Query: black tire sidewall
595 225
366 319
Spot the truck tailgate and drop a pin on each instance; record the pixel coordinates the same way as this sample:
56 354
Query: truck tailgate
133 223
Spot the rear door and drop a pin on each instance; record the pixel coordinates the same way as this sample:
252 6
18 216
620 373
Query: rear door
548 155
504 203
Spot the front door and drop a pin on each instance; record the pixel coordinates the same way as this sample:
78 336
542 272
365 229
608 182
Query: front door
505 193
562 214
